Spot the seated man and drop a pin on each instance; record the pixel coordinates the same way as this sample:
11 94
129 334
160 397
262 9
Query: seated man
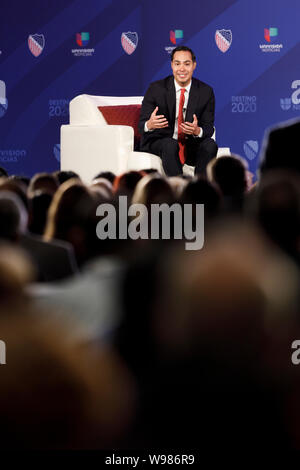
177 117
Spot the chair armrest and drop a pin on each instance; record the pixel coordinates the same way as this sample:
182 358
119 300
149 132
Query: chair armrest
143 160
223 151
89 149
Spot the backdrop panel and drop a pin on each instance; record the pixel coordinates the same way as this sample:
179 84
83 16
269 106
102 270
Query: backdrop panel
51 51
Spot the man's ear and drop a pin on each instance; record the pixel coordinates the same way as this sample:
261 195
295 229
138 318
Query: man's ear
195 63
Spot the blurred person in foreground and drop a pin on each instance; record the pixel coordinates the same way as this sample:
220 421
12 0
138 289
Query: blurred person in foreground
215 367
230 174
55 392
280 148
275 206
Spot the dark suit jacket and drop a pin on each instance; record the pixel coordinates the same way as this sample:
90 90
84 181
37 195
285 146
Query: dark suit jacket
162 94
280 148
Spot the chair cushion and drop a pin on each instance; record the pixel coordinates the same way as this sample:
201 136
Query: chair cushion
125 115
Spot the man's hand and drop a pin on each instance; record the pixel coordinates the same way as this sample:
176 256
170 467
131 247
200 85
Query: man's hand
156 121
191 128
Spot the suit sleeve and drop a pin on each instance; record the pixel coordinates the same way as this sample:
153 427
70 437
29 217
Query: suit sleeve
207 118
148 106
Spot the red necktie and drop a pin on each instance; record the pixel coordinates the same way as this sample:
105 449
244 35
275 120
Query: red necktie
181 136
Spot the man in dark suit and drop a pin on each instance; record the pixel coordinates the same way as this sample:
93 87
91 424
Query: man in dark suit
165 130
280 147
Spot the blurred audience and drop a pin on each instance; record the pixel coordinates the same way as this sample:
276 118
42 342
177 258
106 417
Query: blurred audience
109 175
54 393
150 345
52 261
280 147
125 184
3 172
39 204
229 173
103 186
276 207
46 182
153 189
214 348
15 186
201 191
72 217
23 179
63 176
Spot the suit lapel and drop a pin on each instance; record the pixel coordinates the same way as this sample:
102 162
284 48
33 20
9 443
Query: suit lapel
192 103
171 99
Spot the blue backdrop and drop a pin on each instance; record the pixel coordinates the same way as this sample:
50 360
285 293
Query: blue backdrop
254 69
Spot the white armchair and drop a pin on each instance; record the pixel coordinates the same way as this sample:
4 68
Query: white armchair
100 137
90 145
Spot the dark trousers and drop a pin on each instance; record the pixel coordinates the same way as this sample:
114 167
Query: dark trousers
198 153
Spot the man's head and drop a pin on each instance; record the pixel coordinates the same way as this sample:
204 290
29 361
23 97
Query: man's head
183 63
229 173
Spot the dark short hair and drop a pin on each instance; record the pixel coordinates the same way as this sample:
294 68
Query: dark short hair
3 172
230 174
183 48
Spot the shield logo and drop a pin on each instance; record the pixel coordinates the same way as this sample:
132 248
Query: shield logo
56 152
251 149
223 38
36 43
129 42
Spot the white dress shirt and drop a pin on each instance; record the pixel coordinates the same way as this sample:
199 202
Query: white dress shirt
186 99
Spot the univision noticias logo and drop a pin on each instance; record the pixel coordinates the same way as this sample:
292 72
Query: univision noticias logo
12 155
269 35
285 103
176 36
82 39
